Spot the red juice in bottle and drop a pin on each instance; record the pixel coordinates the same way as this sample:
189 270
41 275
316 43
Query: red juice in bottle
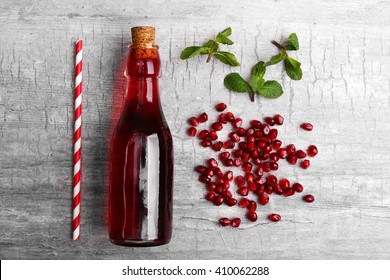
141 154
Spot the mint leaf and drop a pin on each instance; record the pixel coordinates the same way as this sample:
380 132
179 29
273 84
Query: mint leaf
226 32
271 89
276 59
293 43
227 58
193 51
293 68
224 40
208 46
236 83
258 72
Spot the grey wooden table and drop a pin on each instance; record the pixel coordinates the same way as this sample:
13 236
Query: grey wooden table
345 55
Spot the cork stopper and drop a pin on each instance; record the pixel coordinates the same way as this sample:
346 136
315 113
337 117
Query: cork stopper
143 36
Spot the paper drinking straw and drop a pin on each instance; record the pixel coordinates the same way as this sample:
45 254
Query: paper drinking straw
77 140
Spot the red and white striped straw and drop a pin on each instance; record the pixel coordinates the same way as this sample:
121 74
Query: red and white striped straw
77 140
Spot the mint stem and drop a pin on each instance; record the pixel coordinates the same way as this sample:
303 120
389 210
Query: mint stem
211 51
279 46
252 96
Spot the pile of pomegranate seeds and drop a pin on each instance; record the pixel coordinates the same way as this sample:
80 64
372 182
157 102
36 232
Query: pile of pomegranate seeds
256 150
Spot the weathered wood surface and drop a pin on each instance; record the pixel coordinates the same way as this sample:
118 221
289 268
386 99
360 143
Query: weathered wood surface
345 55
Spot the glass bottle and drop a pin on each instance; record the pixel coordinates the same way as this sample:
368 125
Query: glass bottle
141 154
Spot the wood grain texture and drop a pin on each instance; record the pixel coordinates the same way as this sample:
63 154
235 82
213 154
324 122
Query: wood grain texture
345 55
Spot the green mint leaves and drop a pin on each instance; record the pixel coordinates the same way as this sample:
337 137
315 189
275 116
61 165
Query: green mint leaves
269 89
211 49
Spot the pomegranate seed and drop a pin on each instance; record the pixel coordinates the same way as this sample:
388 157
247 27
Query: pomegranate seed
266 166
212 187
203 118
312 151
240 183
260 180
235 222
212 162
200 169
292 159
260 190
204 179
217 126
252 206
265 129
284 183
257 161
252 186
250 132
276 144
191 131
288 192
237 123
255 124
238 153
307 126
245 157
297 187
247 167
268 189
231 201
272 180
264 156
263 199
224 155
243 191
249 177
252 216
290 149
206 143
218 172
210 197
282 153
237 162
242 146
226 185
278 119
277 189
274 217
217 146
273 133
230 116
266 140
228 162
300 154
218 200
274 157
220 181
273 166
305 164
244 202
224 222
250 146
219 189
203 134
258 133
229 144
234 137
241 132
209 172
193 121
270 121
213 135
308 198
261 144
220 107
255 154
267 149
222 119
259 171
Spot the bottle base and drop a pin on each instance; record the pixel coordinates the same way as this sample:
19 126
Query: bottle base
139 243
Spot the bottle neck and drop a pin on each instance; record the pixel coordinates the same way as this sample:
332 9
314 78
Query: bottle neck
142 71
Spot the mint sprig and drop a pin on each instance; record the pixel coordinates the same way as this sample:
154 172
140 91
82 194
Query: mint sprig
211 49
268 89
